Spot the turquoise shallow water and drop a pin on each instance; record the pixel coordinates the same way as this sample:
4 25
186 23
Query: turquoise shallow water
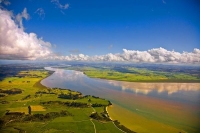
176 104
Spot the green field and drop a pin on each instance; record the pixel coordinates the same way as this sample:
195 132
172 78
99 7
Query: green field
133 74
51 109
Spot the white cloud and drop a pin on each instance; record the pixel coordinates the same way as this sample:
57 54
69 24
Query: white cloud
57 3
22 15
40 12
71 57
17 44
156 55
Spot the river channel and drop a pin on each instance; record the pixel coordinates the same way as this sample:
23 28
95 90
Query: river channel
142 107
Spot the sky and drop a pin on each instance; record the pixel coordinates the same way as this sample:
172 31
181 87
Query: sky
101 30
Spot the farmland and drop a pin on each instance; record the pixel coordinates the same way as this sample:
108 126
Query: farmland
138 74
28 106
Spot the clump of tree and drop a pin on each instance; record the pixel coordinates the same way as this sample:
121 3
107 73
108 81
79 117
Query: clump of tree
21 117
11 117
14 113
86 96
44 92
1 123
4 102
97 105
89 100
76 104
95 97
12 91
2 95
26 97
109 103
69 104
105 116
69 96
122 127
47 116
98 117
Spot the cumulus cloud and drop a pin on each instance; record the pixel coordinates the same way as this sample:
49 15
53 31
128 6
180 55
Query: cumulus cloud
71 57
17 44
40 12
57 3
156 55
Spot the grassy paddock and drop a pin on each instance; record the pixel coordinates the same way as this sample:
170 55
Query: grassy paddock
132 74
54 117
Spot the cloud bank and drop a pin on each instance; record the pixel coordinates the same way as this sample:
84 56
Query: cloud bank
17 44
156 55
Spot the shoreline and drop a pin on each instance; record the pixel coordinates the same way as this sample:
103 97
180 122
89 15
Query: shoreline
119 126
139 81
108 112
145 81
124 122
40 85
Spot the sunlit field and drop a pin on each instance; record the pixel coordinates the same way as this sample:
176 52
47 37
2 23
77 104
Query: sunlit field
44 102
132 74
100 66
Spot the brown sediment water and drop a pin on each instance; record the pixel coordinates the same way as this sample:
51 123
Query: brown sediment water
142 107
137 122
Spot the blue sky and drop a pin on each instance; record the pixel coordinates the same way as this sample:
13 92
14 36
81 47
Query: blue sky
99 27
